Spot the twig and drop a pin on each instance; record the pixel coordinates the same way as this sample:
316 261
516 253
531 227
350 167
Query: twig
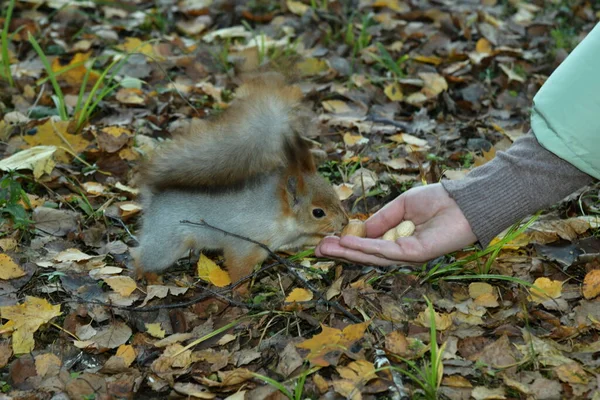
289 264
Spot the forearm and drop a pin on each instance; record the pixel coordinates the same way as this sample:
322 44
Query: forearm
516 183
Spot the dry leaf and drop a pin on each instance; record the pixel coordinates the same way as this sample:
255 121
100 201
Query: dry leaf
210 272
9 269
155 330
312 66
297 7
37 158
591 284
394 92
123 285
331 339
545 289
299 294
54 133
443 321
351 139
25 319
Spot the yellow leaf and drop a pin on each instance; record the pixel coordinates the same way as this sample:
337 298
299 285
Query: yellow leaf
8 244
155 330
25 319
434 84
312 66
299 294
75 70
394 92
456 381
54 133
131 96
391 4
123 285
9 269
135 45
351 139
488 300
476 289
428 59
483 46
443 321
336 107
591 284
331 339
127 353
545 289
360 371
210 272
297 7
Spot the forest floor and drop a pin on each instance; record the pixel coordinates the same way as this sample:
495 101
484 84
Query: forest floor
405 92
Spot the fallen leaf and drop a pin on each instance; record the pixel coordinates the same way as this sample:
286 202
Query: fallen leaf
193 390
54 134
351 139
483 46
331 339
394 92
37 158
123 285
591 284
443 321
210 272
25 319
572 373
9 269
512 75
155 330
545 289
299 294
297 7
72 255
312 66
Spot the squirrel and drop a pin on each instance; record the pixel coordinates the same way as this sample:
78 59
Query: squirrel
248 172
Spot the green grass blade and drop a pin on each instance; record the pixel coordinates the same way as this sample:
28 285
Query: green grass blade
61 106
275 384
4 43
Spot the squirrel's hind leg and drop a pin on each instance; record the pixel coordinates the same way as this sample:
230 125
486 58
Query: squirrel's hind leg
157 254
240 261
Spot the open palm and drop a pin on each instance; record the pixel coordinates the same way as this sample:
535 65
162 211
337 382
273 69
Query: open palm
441 228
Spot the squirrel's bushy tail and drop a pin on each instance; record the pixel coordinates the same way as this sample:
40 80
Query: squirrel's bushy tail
260 132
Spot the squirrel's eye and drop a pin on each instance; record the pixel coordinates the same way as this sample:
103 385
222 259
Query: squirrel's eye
318 213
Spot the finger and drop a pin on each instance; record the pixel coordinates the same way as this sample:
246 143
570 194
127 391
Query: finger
407 249
332 249
386 218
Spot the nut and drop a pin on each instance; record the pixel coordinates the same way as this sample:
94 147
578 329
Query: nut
404 229
355 227
390 235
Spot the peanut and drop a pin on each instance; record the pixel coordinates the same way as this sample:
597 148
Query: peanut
404 229
355 227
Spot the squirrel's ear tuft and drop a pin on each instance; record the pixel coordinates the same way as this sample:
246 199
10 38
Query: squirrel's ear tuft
299 156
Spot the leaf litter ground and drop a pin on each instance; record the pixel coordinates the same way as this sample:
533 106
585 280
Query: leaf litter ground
405 92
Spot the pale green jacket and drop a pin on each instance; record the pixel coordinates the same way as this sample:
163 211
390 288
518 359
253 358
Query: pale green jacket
566 110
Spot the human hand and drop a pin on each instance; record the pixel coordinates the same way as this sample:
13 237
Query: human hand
441 228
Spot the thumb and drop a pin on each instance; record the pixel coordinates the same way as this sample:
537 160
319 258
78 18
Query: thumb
386 218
